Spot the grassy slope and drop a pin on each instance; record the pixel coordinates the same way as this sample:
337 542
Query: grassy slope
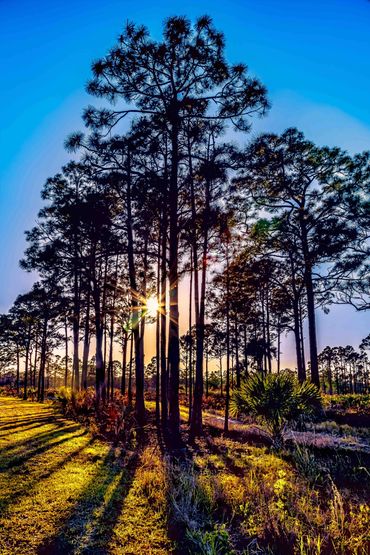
63 492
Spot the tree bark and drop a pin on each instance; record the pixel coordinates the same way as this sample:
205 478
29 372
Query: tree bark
173 335
86 346
124 361
227 399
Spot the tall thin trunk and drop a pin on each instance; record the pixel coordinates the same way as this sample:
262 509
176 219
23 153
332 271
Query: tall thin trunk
139 358
41 393
245 351
238 377
268 334
86 346
163 305
190 340
207 376
221 377
35 360
76 333
330 378
99 360
227 400
111 335
197 424
124 361
173 336
310 301
99 336
17 379
312 329
139 349
129 394
28 343
158 335
302 337
297 336
264 333
278 345
66 339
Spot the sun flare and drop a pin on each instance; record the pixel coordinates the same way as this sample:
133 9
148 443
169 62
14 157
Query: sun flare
152 306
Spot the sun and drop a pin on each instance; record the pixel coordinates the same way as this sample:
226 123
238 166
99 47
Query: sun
152 306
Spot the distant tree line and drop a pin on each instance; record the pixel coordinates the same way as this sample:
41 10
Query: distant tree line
265 232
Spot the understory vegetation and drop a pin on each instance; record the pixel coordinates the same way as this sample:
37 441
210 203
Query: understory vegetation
77 485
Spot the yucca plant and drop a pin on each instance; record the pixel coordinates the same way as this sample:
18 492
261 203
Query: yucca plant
278 400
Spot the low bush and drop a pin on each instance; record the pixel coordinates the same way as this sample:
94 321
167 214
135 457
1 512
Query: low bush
279 400
353 403
113 420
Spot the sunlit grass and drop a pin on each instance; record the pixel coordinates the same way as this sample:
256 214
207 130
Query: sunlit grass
64 492
61 491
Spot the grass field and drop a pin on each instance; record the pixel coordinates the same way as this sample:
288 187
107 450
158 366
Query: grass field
62 491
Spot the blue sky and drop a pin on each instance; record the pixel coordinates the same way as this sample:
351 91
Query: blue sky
313 56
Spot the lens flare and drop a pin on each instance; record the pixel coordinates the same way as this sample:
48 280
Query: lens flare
152 306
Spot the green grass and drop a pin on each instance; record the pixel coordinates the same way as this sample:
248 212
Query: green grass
62 491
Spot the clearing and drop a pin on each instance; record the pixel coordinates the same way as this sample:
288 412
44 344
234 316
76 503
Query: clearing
62 491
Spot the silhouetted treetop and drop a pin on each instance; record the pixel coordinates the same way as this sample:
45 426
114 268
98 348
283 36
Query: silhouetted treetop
183 76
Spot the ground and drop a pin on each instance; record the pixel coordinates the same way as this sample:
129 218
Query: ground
63 491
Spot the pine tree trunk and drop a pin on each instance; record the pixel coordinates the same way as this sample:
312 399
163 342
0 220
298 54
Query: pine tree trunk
297 337
173 335
86 346
227 399
66 351
163 338
312 328
76 334
158 336
124 361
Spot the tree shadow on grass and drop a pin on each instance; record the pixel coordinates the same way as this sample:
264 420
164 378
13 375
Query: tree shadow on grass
26 489
35 437
9 461
19 421
90 525
29 424
177 456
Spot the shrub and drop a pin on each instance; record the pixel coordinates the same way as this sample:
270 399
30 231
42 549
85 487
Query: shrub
214 542
354 403
278 399
307 465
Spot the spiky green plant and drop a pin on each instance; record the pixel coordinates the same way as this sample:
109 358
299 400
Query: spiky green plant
278 399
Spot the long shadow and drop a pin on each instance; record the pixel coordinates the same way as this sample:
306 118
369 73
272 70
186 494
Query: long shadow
99 542
76 529
29 426
176 453
15 423
27 488
38 438
20 421
225 458
17 461
253 437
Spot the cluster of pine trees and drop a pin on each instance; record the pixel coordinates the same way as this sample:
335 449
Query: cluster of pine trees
164 188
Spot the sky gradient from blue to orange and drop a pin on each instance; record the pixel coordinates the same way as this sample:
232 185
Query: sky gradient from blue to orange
313 56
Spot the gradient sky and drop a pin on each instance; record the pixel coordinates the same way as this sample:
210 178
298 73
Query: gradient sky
313 56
